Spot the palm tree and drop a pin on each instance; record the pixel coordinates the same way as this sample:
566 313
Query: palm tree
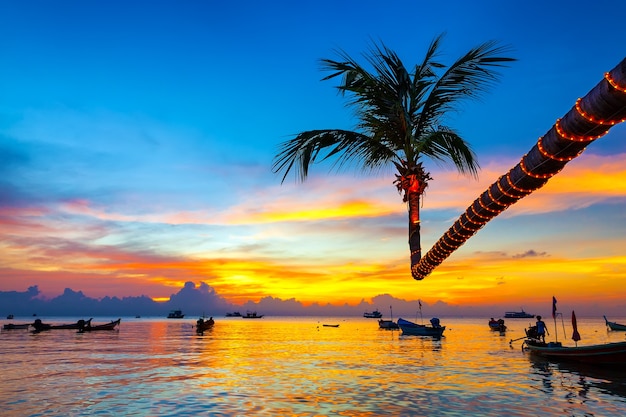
401 117
589 119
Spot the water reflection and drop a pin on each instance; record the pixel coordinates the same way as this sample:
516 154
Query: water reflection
293 366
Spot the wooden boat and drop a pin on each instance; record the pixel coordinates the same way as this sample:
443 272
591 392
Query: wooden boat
614 326
497 325
40 326
613 354
13 326
330 325
106 326
388 324
414 329
252 315
373 315
518 315
175 314
72 326
202 324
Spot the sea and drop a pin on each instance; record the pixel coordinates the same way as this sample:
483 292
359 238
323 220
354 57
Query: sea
297 366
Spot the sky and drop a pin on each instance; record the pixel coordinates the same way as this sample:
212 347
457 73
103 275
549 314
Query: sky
137 138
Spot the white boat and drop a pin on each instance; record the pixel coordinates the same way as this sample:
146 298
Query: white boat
414 329
373 315
518 315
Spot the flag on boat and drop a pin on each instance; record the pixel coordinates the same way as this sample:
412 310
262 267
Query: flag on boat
420 303
553 307
575 335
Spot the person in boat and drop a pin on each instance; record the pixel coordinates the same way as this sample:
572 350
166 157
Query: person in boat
211 321
541 329
435 322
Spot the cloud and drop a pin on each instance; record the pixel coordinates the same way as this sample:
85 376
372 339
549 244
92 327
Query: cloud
530 254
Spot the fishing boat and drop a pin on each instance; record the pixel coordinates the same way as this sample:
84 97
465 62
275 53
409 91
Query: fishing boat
176 314
614 326
604 354
330 325
252 315
202 324
106 326
414 329
497 325
41 326
233 314
10 317
373 315
518 315
388 324
13 326
72 326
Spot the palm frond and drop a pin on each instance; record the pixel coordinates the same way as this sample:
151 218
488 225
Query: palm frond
445 146
313 146
470 76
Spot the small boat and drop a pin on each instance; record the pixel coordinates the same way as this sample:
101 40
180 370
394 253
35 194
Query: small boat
373 315
40 326
330 325
414 329
252 315
518 315
233 314
614 326
387 324
497 325
10 317
202 324
175 314
72 326
106 326
13 326
613 354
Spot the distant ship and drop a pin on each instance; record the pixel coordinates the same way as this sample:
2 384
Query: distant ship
234 314
373 315
518 315
175 314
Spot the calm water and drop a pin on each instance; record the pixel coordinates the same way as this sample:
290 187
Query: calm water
296 367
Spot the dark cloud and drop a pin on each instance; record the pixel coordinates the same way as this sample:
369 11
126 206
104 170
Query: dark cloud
530 254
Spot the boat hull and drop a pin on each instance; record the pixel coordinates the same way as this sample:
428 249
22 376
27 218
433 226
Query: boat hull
12 326
414 329
388 324
614 326
605 354
106 326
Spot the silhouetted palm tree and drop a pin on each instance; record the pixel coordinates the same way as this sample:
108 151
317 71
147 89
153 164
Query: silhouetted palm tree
400 120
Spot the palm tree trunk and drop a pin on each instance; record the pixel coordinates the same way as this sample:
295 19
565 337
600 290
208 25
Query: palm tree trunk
414 227
590 118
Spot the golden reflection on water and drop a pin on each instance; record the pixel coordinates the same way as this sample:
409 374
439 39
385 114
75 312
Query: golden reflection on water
297 367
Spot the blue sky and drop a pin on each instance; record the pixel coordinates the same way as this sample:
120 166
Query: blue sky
137 140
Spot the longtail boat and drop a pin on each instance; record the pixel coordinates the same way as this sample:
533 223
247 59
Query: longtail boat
414 329
13 326
604 354
202 324
106 326
614 326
